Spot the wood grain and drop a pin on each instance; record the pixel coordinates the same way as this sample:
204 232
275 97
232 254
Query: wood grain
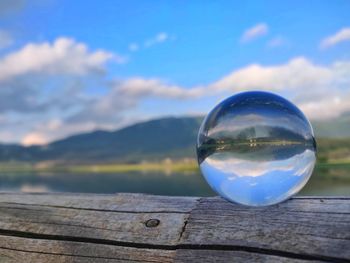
113 228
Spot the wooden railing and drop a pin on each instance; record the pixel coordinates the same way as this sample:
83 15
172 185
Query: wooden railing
145 228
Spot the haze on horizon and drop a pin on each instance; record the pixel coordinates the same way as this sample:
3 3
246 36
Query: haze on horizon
74 66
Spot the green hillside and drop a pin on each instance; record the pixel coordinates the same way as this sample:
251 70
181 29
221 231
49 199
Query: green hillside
335 128
155 141
152 141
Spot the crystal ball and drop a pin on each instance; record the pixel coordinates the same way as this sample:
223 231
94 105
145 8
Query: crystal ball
256 148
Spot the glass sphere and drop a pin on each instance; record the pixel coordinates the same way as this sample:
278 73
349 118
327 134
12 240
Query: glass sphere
256 148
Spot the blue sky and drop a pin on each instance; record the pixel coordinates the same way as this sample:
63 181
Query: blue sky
73 66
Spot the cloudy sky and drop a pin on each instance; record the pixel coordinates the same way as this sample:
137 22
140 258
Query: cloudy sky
73 66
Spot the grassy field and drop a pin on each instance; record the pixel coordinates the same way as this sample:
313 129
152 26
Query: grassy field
166 167
148 167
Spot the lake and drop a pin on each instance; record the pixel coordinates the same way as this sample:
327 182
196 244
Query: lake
325 181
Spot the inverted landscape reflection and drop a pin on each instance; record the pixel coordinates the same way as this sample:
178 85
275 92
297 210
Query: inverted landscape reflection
256 148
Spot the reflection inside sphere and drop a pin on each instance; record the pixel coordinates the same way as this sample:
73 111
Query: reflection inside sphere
256 148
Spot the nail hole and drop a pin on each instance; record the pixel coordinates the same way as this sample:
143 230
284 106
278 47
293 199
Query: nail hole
152 222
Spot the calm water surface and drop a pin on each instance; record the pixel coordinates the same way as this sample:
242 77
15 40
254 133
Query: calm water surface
325 181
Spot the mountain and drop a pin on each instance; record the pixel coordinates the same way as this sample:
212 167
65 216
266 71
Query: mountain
150 141
335 128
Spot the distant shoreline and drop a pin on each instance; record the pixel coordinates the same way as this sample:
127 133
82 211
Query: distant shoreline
165 166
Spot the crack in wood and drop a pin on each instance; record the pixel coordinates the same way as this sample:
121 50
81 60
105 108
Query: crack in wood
183 229
218 247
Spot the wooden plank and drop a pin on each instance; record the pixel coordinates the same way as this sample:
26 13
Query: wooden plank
218 256
26 250
312 229
145 228
117 202
118 226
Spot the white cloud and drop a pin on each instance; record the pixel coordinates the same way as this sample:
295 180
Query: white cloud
141 88
312 87
6 39
42 76
255 32
64 56
320 91
44 80
340 36
157 39
126 95
298 73
330 106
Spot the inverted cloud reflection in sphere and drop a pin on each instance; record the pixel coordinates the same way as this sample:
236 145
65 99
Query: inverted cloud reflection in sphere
256 148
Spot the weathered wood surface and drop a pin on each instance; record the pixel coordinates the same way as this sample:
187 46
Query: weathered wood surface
117 228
